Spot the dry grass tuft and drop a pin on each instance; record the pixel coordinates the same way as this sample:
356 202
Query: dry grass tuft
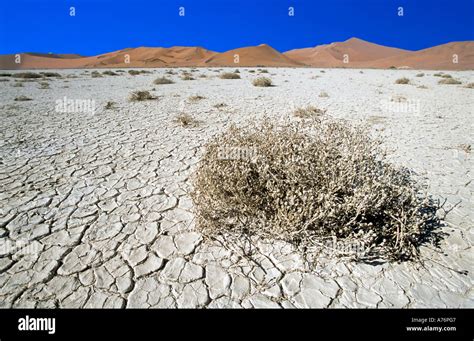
51 74
109 105
470 86
186 120
449 81
22 99
27 75
187 77
304 182
403 80
323 94
110 73
196 98
141 96
420 75
162 80
96 74
229 75
262 82
308 112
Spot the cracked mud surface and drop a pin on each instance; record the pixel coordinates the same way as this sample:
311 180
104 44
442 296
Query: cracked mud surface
102 199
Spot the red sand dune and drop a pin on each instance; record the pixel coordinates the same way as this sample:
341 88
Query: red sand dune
361 54
332 55
261 55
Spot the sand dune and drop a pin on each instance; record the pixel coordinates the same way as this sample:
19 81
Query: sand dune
261 55
358 54
438 57
332 55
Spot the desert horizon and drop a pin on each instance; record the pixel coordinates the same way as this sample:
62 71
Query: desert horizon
351 53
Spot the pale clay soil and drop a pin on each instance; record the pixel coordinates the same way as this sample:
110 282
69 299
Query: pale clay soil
102 199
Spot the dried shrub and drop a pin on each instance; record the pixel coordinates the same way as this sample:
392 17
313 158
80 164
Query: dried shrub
17 85
186 120
308 112
27 75
262 82
96 74
449 81
141 96
4 74
306 181
196 98
44 85
263 71
110 73
51 74
187 77
470 86
109 105
446 76
403 80
420 75
323 94
162 80
22 98
229 75
134 72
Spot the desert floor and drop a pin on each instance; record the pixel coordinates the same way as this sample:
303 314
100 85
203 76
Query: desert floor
95 210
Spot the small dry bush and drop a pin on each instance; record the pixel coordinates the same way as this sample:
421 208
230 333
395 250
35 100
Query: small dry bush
51 74
110 73
96 74
263 71
308 112
22 98
134 72
187 77
162 80
262 82
420 74
196 98
109 105
4 74
449 81
28 75
185 120
323 94
229 75
306 181
440 74
17 85
446 76
470 86
403 80
141 96
44 85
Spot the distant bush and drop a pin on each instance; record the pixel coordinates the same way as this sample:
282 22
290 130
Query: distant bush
23 98
449 81
262 82
420 74
229 75
141 96
109 73
28 75
162 80
403 80
308 112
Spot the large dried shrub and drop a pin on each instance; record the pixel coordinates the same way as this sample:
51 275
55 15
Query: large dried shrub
307 181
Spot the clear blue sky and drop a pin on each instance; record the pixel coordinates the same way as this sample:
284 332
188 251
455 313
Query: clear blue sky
105 25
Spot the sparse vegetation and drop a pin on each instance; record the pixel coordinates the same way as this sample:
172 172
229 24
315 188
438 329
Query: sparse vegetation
220 105
263 71
4 74
403 80
262 82
470 86
141 95
162 80
109 105
134 72
308 112
50 74
304 182
96 74
323 94
17 85
229 75
449 81
420 74
27 75
110 73
44 85
186 120
196 98
22 98
187 77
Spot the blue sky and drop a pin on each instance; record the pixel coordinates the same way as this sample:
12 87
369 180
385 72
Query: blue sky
105 25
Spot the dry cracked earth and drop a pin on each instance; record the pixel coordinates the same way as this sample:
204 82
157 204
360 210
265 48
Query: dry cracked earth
95 208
